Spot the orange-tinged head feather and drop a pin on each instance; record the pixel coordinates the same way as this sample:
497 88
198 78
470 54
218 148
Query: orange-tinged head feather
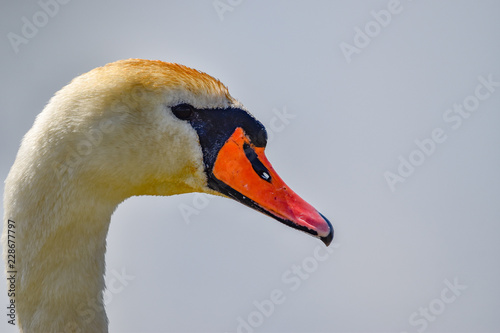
124 77
154 74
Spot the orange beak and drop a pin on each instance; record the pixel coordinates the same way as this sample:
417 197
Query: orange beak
244 173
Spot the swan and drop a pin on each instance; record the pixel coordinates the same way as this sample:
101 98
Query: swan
132 127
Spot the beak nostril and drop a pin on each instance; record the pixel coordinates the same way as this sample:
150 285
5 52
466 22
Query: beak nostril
257 165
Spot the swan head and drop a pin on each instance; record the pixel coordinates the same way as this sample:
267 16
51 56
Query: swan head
141 127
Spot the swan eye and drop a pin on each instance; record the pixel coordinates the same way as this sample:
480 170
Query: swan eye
183 111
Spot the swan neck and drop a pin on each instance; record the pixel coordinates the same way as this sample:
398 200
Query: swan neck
60 256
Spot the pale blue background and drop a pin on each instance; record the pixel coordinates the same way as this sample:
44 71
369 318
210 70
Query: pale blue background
352 122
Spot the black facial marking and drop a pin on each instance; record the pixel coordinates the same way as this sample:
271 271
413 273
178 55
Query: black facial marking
257 165
215 126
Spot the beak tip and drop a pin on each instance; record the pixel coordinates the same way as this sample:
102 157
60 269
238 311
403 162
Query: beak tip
329 237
